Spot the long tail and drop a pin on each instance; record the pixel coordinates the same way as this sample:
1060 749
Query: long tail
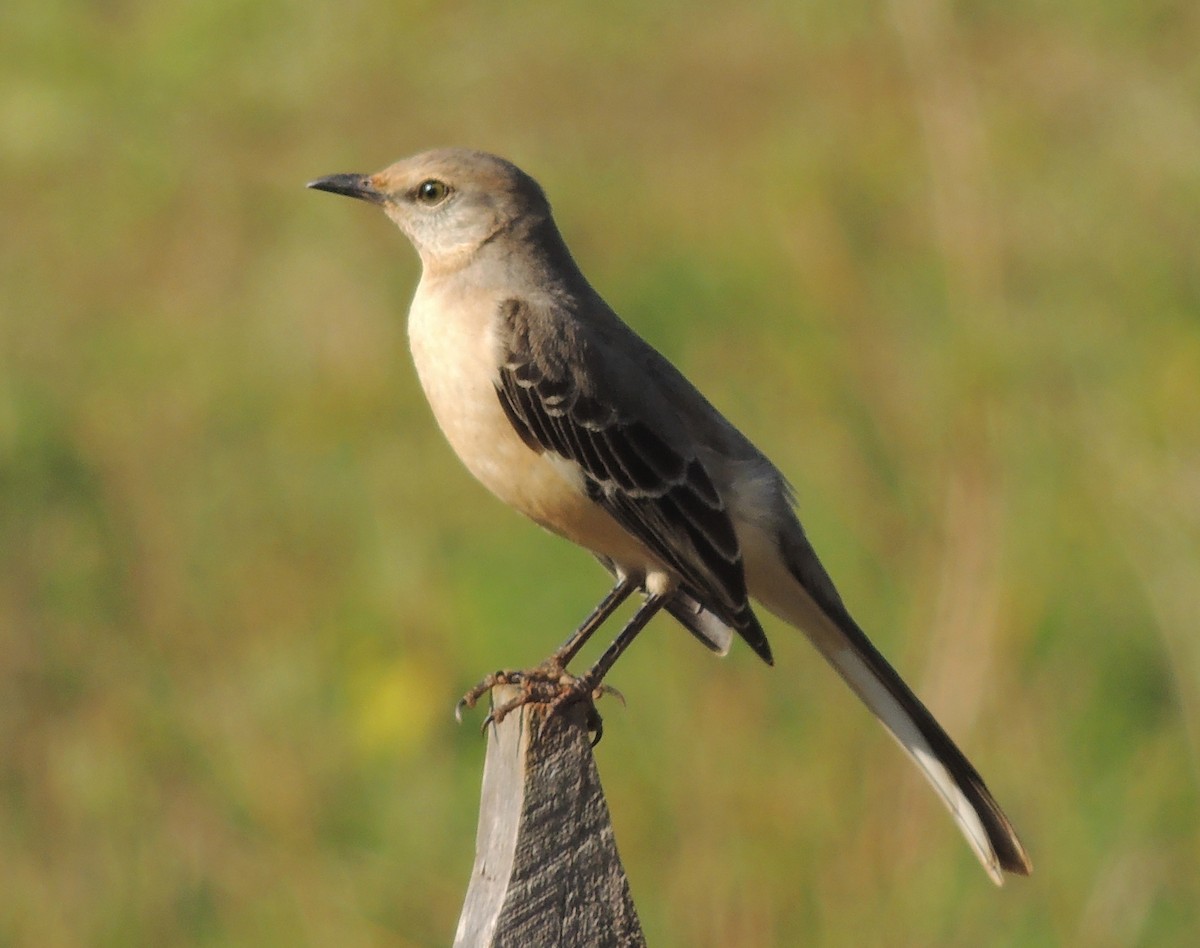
805 597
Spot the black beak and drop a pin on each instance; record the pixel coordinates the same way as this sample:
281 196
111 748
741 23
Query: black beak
352 185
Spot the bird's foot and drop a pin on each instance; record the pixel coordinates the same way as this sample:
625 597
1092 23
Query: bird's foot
548 684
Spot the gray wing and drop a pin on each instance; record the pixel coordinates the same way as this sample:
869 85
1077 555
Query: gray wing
562 393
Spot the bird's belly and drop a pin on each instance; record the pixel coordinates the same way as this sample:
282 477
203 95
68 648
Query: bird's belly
457 365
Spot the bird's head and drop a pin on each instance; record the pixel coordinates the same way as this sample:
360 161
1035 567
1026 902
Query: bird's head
449 202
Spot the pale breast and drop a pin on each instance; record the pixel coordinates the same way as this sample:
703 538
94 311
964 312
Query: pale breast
457 361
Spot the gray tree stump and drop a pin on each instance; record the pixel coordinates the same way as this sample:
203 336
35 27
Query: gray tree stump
546 867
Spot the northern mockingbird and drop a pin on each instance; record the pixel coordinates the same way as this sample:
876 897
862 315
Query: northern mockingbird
566 414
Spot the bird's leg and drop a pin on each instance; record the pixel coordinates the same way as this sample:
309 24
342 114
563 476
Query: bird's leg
552 672
608 605
542 687
590 685
593 678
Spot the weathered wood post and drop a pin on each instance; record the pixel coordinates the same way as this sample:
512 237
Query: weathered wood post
546 868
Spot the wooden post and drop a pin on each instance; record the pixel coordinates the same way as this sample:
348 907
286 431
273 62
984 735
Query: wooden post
546 867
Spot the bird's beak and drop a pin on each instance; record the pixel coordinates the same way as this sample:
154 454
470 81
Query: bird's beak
352 185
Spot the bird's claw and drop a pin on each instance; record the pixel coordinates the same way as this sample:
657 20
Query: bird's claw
548 684
486 684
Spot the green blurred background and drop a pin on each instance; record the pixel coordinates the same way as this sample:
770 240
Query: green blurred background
940 261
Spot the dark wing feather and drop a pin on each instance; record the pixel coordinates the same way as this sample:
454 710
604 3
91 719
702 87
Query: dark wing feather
661 495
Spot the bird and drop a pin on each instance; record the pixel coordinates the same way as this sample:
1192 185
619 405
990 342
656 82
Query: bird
567 415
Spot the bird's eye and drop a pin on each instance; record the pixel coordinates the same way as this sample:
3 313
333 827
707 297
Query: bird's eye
432 192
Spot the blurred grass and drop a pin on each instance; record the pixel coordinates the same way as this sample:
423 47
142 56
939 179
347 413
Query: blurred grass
952 250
